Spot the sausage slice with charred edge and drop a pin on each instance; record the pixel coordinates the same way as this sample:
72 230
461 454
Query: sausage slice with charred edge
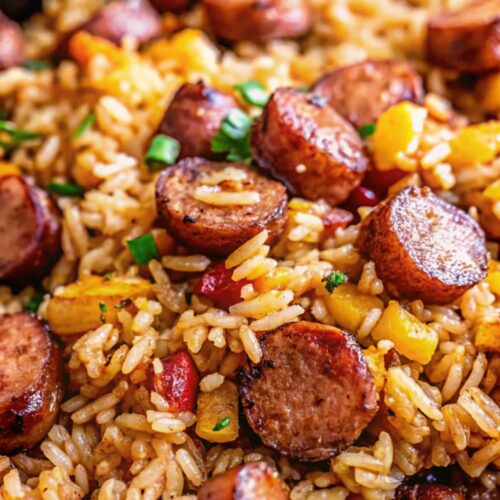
194 117
12 45
467 39
309 147
260 20
424 248
255 480
312 394
30 229
427 492
217 230
362 92
30 381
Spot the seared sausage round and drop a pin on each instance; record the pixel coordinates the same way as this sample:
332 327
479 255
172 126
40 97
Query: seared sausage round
467 39
171 5
12 46
362 92
246 482
260 20
30 229
427 492
309 147
194 117
30 381
424 248
20 10
217 230
312 394
125 18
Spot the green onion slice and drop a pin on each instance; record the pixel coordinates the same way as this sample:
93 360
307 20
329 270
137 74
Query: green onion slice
64 189
143 249
34 302
366 130
85 125
36 64
233 137
333 280
163 150
253 92
224 422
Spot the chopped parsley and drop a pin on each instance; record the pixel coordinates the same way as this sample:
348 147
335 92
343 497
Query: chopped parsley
224 422
143 249
85 125
253 92
333 280
233 137
36 64
34 302
65 189
366 130
17 135
163 150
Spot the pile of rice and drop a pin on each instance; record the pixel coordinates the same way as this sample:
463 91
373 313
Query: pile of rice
115 439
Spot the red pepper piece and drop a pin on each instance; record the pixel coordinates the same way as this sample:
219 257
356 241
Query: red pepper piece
217 286
178 382
362 197
335 218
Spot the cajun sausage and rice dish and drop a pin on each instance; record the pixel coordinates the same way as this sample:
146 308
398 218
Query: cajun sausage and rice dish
249 249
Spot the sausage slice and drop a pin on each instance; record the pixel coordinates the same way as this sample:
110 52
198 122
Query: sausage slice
12 46
217 230
30 229
246 482
260 20
194 117
362 92
309 147
423 247
427 492
171 5
312 394
30 381
467 39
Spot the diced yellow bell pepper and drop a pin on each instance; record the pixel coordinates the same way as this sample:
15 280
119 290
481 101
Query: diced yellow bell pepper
398 131
411 337
86 304
7 168
348 306
217 414
488 336
494 281
274 280
375 360
493 191
83 47
489 92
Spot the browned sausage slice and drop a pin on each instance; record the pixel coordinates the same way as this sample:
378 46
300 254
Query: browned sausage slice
30 229
217 230
12 46
427 492
309 147
171 5
255 480
362 92
30 381
258 20
467 39
194 117
423 247
312 394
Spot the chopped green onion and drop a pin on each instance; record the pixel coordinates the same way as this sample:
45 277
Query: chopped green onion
64 189
85 125
18 135
108 276
253 92
233 137
103 307
36 64
143 249
34 302
333 280
163 150
236 125
222 423
3 114
366 130
302 88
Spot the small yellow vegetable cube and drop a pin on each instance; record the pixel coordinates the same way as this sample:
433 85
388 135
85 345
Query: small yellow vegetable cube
488 336
489 92
376 365
398 131
493 191
86 304
217 414
494 281
349 307
411 337
7 168
474 145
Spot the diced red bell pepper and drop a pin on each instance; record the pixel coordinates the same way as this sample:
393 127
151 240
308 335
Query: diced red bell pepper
362 197
381 180
335 218
178 382
217 286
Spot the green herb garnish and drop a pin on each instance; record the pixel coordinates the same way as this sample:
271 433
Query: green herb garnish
85 125
108 276
104 309
233 136
36 64
17 135
64 189
143 249
366 130
163 150
222 423
34 302
333 280
253 92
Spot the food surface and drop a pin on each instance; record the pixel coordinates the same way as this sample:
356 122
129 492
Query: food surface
249 250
